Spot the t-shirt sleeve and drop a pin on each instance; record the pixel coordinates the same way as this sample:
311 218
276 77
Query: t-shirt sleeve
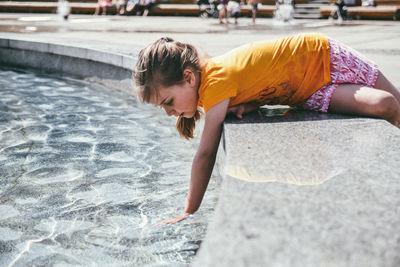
217 91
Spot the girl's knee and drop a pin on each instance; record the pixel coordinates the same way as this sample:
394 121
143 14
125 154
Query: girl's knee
382 83
387 107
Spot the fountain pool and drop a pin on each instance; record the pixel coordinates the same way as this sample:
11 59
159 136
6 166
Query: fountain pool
87 173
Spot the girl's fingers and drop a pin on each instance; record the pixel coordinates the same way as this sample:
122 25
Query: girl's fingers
237 110
175 220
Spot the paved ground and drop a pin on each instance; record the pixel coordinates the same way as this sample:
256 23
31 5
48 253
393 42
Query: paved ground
347 219
379 40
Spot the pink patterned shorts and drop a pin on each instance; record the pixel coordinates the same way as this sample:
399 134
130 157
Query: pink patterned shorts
346 66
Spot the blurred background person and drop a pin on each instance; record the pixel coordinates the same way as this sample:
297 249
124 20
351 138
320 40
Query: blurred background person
102 4
234 8
254 4
121 7
223 12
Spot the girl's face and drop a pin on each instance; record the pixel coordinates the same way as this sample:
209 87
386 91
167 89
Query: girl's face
179 100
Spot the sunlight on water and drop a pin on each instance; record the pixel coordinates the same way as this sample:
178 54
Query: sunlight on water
86 173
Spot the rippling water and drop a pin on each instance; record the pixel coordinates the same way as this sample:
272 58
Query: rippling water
86 173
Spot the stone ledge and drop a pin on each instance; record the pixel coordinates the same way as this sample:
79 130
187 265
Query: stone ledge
104 67
306 189
89 8
45 7
377 12
115 59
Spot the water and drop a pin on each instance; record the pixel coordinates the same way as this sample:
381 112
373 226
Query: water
284 11
86 173
63 9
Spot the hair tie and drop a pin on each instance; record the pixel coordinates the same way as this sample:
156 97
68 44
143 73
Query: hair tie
165 39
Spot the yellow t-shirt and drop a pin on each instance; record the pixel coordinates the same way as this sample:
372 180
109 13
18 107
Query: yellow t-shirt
285 71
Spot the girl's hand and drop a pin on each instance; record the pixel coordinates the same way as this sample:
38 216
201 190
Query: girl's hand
241 109
174 220
237 110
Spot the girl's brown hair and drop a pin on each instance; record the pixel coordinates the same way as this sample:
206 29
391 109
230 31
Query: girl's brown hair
162 64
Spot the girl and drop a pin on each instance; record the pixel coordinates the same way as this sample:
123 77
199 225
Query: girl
308 71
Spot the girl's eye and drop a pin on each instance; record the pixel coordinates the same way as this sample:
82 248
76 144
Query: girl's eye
170 102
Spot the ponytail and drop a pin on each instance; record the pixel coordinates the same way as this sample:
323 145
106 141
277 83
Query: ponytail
186 126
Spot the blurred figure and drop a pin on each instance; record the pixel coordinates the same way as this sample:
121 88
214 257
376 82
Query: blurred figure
223 12
141 7
200 3
284 10
254 4
130 5
121 7
208 8
234 7
102 4
367 3
63 9
339 12
146 6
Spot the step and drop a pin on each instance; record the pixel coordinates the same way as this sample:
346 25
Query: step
326 2
54 1
311 11
306 10
307 16
89 8
378 12
298 11
45 7
309 5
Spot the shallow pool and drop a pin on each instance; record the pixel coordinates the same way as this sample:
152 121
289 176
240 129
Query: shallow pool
86 173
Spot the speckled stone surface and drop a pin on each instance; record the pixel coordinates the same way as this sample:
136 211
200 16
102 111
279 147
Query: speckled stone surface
313 190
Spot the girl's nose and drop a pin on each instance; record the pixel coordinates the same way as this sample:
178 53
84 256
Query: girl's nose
169 112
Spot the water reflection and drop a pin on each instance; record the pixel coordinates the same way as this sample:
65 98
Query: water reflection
313 178
306 151
304 156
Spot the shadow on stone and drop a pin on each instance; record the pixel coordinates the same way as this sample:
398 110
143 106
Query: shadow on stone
285 114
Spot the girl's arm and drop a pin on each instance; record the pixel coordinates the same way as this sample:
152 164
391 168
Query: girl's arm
204 160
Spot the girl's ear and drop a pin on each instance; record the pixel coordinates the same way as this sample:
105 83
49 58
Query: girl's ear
189 76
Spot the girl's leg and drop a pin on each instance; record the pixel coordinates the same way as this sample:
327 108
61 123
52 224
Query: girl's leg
361 100
384 84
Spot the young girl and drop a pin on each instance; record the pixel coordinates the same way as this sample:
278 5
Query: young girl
308 71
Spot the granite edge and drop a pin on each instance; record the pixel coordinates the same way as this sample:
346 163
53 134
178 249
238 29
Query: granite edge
115 59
